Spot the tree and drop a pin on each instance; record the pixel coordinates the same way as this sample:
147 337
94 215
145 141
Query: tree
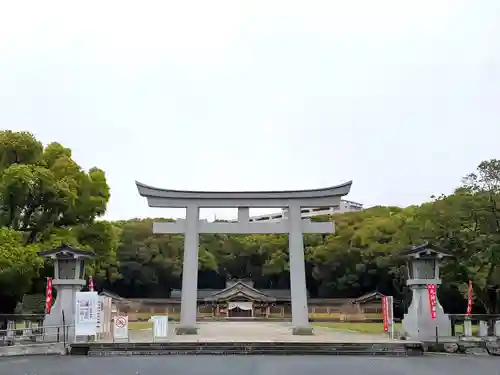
149 264
45 189
102 237
483 190
465 223
19 264
45 199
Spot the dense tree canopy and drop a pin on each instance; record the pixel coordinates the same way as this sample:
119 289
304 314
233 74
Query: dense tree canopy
46 199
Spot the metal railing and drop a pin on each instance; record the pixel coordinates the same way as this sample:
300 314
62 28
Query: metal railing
458 323
34 334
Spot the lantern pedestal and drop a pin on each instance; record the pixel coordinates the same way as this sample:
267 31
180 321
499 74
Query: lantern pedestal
418 323
61 319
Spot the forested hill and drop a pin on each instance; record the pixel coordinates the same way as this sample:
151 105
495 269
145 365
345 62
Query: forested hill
46 199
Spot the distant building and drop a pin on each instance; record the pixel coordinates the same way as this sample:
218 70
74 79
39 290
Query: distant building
344 206
241 299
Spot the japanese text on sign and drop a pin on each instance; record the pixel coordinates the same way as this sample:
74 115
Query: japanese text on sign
431 288
48 296
86 313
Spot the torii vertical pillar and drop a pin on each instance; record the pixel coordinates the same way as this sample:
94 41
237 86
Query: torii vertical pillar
189 294
300 310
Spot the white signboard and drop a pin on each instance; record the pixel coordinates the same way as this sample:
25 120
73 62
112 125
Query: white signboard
160 325
120 327
86 313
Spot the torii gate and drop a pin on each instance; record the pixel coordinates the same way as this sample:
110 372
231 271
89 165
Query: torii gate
293 225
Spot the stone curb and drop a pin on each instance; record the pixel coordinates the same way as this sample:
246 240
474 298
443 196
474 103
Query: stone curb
33 350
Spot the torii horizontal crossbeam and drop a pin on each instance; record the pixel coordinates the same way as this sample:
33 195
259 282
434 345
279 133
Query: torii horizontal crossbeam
283 227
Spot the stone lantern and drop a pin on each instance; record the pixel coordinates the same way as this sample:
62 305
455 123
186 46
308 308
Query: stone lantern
423 270
69 278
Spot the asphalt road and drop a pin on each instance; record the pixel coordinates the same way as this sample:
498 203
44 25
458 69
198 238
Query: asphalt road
250 365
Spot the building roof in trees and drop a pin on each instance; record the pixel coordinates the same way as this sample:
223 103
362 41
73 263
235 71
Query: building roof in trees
240 289
114 296
369 297
243 288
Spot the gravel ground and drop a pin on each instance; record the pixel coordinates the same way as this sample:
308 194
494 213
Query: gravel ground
251 365
258 331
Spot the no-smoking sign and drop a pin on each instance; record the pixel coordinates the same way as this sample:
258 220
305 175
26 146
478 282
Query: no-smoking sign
120 330
121 322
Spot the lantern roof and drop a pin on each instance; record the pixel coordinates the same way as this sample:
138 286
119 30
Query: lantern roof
67 252
426 251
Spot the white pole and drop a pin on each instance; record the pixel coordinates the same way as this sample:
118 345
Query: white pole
390 301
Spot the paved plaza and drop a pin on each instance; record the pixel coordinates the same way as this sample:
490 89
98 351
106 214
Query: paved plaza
250 365
258 332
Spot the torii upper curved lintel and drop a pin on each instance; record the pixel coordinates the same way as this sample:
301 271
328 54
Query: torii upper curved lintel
168 194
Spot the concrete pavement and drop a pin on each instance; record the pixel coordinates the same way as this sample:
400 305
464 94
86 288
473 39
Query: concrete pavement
258 332
254 365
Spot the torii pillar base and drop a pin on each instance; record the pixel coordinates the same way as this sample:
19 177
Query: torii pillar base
186 330
303 331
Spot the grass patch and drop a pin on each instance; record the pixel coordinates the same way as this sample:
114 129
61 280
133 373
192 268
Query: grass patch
459 328
373 328
140 325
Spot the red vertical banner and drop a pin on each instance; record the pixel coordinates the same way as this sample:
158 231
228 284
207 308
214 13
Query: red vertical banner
91 284
48 295
385 313
432 290
469 300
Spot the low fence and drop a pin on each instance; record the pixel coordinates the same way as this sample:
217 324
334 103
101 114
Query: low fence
481 325
25 329
33 334
19 319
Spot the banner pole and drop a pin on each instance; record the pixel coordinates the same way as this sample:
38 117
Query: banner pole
391 310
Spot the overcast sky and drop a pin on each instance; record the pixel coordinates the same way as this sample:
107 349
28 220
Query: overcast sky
402 97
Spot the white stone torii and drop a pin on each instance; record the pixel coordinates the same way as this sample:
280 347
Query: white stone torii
293 225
